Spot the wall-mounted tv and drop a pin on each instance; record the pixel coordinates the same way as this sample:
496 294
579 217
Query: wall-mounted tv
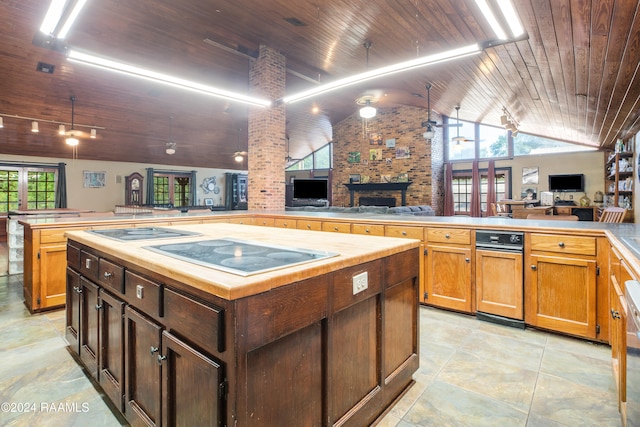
568 182
310 188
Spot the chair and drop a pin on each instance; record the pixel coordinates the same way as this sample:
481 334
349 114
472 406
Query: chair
553 217
499 209
613 214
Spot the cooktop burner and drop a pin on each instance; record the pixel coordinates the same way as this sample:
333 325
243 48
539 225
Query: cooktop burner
142 233
239 257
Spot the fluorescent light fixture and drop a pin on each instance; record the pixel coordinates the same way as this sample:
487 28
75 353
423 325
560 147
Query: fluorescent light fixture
385 71
34 127
57 11
512 17
93 135
491 19
130 70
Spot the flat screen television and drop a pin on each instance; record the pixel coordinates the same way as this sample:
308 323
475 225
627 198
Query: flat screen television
568 183
310 188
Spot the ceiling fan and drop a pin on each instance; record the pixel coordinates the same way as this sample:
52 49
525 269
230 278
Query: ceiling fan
459 139
290 160
431 124
72 135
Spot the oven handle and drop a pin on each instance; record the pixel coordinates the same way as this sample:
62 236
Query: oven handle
500 248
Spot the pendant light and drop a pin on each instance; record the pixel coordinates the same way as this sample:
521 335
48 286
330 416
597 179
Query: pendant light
458 139
170 147
71 138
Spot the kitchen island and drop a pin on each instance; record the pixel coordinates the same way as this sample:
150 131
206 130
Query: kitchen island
329 341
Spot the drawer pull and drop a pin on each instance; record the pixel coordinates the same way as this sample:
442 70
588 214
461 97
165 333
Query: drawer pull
561 244
98 306
108 274
366 230
161 358
467 259
534 268
615 314
87 263
309 226
404 233
335 228
446 236
78 289
153 350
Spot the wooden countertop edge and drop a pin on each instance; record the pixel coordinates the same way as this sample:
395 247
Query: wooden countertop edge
230 286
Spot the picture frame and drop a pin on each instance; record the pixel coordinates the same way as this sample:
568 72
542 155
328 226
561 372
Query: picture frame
403 177
375 154
385 179
353 157
391 142
354 178
208 202
530 175
92 179
375 139
403 153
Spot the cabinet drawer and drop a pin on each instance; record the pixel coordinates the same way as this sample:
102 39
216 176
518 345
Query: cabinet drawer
246 221
459 236
265 222
578 245
144 294
303 224
202 324
52 236
285 223
372 230
73 256
401 231
336 227
89 265
111 275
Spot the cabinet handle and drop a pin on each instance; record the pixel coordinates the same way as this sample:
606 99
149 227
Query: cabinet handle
561 244
107 274
153 350
309 226
98 306
161 358
335 228
533 267
404 233
366 230
615 314
446 236
87 263
467 259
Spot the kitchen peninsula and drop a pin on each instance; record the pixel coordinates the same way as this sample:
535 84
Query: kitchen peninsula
332 340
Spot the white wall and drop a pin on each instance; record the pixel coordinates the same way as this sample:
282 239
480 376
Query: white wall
589 163
112 194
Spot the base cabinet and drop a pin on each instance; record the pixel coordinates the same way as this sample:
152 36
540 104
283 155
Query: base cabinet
499 287
560 284
309 353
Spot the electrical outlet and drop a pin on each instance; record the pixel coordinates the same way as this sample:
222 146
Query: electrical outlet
360 282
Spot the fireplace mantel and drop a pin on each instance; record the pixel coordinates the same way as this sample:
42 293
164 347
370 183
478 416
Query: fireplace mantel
379 186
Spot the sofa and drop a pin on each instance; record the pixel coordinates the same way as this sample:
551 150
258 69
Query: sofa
421 210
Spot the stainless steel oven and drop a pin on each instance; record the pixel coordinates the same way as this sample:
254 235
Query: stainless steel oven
631 410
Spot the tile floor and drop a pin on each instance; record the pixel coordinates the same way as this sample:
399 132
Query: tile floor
472 373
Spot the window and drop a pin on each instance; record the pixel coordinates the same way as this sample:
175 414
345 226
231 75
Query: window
27 188
525 144
172 189
319 159
462 149
462 189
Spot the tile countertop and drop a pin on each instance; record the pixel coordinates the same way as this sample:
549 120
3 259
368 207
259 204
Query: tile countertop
352 250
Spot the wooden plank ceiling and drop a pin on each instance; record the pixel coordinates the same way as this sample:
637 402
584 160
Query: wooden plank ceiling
575 78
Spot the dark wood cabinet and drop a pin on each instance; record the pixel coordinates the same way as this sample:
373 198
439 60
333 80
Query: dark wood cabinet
308 353
72 328
89 317
111 355
142 369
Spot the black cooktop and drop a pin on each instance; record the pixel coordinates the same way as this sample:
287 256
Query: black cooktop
142 233
239 257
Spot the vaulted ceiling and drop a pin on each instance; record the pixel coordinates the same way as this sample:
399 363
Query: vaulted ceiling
574 78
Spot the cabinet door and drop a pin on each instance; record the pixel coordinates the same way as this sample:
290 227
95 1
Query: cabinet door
192 386
112 348
499 285
72 329
89 320
142 370
53 261
448 272
561 294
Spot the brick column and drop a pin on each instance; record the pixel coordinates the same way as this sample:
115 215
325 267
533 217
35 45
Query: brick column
267 127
